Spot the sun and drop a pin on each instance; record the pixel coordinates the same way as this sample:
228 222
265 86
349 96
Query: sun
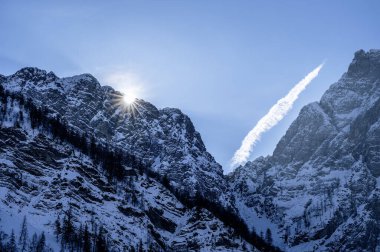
129 98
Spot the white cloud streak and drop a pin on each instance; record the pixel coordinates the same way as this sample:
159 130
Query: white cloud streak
275 114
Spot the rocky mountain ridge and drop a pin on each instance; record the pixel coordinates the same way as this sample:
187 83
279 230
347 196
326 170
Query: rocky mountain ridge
320 190
165 139
46 174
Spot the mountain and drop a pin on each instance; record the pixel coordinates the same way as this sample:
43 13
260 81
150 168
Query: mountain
165 139
320 190
80 170
72 158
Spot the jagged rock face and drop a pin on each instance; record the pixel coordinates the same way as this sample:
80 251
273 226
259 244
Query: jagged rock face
164 138
320 189
41 176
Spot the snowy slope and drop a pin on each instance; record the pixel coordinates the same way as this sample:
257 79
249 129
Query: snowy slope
319 191
42 177
165 138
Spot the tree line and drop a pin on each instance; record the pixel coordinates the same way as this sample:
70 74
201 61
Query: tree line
83 239
23 243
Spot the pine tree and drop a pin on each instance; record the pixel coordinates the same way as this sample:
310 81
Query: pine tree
78 239
86 240
41 243
33 243
287 234
21 116
101 245
141 248
58 229
94 228
2 248
150 248
23 240
268 236
68 228
165 181
12 247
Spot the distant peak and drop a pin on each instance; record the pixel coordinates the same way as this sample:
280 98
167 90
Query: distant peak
30 70
374 52
365 63
85 77
108 89
35 74
81 81
172 111
371 54
359 53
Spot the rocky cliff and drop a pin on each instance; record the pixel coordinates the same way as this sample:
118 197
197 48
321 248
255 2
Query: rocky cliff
320 190
61 139
51 180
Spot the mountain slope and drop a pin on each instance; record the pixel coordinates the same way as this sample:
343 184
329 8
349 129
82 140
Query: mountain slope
137 177
165 138
320 190
46 178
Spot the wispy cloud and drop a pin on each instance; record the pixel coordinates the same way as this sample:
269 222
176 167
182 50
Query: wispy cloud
275 114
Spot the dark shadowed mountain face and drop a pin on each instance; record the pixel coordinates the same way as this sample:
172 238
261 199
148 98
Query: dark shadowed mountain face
320 190
165 138
53 177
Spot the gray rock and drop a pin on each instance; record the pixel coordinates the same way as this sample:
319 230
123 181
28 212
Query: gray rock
319 190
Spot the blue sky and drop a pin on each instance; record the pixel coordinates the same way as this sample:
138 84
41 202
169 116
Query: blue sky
224 63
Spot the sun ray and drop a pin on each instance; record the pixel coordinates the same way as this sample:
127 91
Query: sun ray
126 103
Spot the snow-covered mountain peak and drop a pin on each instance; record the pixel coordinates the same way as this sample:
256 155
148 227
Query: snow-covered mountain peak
319 189
165 139
356 91
365 64
172 196
35 74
